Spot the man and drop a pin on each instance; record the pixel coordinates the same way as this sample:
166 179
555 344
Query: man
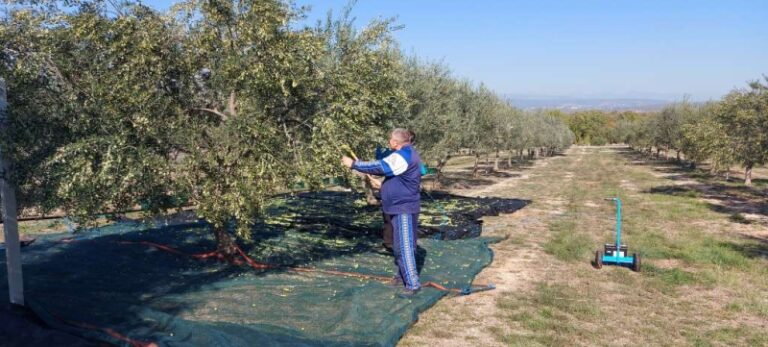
382 153
400 200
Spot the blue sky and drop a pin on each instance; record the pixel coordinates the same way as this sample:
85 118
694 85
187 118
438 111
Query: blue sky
581 48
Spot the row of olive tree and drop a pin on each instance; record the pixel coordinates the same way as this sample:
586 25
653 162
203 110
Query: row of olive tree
596 127
449 114
731 131
219 104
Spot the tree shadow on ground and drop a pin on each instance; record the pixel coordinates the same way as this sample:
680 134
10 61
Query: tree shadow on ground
458 181
755 247
21 327
726 197
463 178
731 200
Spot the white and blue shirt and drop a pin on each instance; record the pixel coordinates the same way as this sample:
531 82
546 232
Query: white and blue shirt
401 190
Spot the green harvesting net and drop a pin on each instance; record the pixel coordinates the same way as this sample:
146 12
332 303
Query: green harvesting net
132 283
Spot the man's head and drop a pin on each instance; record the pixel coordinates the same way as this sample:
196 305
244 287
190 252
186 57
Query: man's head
400 137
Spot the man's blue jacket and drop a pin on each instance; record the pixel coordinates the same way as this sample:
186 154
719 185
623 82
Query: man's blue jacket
400 191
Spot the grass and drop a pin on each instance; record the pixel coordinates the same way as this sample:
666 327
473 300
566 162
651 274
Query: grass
567 244
727 336
549 315
704 280
667 281
690 259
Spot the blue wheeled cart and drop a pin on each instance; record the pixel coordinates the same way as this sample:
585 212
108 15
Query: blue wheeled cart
616 253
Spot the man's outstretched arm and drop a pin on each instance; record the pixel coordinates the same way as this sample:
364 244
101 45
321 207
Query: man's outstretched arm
390 166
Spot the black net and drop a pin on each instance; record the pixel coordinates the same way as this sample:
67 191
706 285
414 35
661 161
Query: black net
131 283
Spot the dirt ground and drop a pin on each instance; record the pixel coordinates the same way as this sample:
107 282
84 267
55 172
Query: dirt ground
697 287
468 321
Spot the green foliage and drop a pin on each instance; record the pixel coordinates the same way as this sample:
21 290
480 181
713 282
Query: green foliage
589 127
706 139
449 114
731 131
743 115
597 128
93 102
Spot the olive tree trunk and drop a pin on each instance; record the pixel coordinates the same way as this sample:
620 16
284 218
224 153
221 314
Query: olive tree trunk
370 198
439 170
475 169
748 174
225 244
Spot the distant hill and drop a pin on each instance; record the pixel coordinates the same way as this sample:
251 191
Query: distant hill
566 104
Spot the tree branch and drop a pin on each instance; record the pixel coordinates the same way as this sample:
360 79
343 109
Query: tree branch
216 112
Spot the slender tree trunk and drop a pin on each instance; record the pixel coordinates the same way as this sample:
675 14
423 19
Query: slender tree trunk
748 174
509 158
439 174
678 157
477 164
496 162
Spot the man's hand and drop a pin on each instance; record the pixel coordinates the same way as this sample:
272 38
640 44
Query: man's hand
375 184
347 161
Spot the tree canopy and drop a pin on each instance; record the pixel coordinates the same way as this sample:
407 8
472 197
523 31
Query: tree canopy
219 104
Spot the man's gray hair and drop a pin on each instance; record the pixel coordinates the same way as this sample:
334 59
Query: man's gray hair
402 135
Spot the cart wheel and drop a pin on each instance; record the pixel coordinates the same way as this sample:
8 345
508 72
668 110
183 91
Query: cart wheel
635 262
598 260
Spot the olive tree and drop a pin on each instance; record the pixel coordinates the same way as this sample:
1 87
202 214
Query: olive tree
743 114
